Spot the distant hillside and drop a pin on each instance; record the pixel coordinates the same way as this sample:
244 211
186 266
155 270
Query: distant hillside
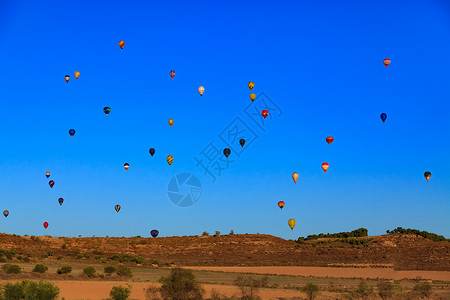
402 251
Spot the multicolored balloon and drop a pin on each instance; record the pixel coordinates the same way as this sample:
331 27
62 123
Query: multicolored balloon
242 142
106 110
117 207
121 44
295 177
427 175
154 233
386 62
6 213
51 183
126 166
72 132
172 74
226 152
281 204
47 174
152 151
291 224
251 85
67 78
329 139
325 166
77 74
383 117
45 225
169 159
201 90
264 113
170 122
60 201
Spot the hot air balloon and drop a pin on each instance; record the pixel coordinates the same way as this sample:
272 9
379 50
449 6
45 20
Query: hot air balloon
172 74
67 78
325 166
47 174
291 223
329 139
72 132
126 166
383 117
5 213
45 225
386 62
251 85
106 110
170 122
427 175
77 74
170 159
154 233
60 201
295 177
264 113
252 97
51 183
201 90
281 204
121 44
152 151
242 142
117 207
227 152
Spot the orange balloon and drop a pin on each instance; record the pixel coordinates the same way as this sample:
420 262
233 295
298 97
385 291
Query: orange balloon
77 74
170 122
295 177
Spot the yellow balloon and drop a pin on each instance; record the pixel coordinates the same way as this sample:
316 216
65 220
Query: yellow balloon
295 177
77 74
170 122
251 85
252 97
291 223
201 90
170 159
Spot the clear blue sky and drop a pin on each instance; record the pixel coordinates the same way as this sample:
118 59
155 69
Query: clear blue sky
321 63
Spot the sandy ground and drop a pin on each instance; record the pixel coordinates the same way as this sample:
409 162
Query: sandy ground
371 273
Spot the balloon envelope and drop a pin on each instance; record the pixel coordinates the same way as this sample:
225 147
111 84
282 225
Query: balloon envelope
45 225
72 132
295 177
325 166
427 175
386 62
252 97
152 151
121 44
47 174
126 166
383 117
117 207
242 142
172 74
169 159
264 113
251 85
201 90
291 223
329 139
170 122
60 201
154 233
281 204
67 78
226 152
6 213
51 183
77 74
106 110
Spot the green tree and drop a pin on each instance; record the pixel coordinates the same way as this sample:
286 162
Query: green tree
385 290
89 272
364 290
64 270
181 285
311 290
120 292
40 268
423 290
11 268
109 269
124 271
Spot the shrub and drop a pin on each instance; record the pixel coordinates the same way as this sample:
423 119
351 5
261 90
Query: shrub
59 257
231 232
25 259
124 271
115 257
120 293
89 272
311 290
2 259
40 268
180 284
97 257
385 290
364 290
64 246
109 269
423 290
205 233
19 257
64 270
9 255
11 268
80 256
43 290
217 233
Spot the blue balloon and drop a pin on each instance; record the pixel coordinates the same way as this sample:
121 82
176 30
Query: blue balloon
154 233
383 117
72 132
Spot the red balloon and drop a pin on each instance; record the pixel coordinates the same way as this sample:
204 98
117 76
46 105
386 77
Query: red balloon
45 225
330 139
325 166
264 113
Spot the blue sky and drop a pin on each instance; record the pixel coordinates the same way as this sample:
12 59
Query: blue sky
321 63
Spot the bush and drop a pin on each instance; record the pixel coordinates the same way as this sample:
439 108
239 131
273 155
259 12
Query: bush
180 284
9 256
249 286
217 233
40 268
64 270
89 272
311 290
11 268
25 259
385 290
64 246
423 290
124 271
428 235
19 257
43 290
109 269
205 233
120 293
59 257
364 290
2 259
